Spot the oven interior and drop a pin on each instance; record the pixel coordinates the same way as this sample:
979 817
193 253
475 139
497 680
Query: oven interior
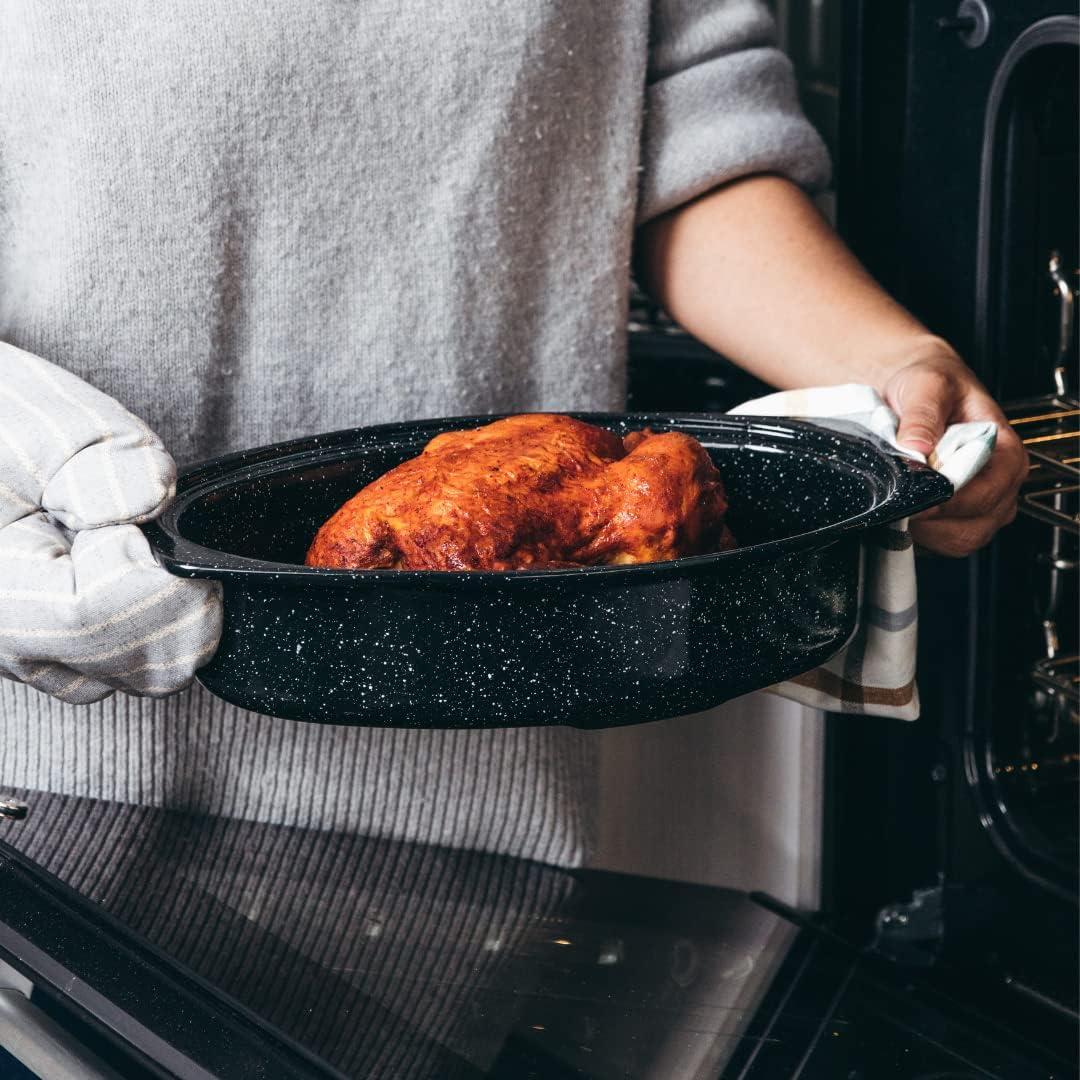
1022 746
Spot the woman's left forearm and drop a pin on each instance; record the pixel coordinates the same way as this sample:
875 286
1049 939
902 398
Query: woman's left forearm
754 271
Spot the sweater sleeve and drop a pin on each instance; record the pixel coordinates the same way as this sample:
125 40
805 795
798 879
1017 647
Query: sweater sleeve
720 104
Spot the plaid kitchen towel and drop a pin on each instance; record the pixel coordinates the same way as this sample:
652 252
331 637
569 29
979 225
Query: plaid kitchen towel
874 673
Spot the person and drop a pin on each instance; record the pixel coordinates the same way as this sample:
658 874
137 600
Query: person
249 222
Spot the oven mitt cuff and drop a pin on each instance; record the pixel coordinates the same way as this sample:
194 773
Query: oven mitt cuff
84 607
874 674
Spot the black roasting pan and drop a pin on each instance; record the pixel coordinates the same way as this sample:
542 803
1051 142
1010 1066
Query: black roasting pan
592 647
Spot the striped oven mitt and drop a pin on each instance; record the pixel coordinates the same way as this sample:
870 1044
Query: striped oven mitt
84 607
874 674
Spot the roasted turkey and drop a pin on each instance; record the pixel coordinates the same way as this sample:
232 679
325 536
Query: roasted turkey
528 492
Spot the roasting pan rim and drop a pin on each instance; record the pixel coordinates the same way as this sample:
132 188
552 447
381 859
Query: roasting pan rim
905 486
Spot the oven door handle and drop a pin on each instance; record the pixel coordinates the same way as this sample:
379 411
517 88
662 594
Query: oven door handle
42 1045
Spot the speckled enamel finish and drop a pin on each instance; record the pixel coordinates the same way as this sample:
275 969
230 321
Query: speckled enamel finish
593 647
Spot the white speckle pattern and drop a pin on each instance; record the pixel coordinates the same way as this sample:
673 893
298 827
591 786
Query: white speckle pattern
591 647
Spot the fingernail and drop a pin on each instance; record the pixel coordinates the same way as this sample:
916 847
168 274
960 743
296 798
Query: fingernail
920 446
919 450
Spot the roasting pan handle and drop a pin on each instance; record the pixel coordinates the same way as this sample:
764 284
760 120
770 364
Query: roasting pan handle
917 487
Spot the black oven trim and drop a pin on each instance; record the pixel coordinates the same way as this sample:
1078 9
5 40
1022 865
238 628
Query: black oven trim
976 746
130 994
1053 30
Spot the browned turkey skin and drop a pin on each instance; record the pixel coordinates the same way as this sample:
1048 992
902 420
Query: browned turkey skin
532 491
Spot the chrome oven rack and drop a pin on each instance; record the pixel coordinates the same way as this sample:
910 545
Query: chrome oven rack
1059 675
1050 429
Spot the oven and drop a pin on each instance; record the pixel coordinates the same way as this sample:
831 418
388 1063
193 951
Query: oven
959 190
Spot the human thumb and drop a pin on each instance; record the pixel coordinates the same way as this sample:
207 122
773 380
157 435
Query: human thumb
923 399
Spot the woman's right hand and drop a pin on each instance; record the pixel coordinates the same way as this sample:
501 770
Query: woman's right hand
929 392
84 607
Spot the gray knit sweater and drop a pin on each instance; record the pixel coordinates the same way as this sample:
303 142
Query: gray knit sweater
257 220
